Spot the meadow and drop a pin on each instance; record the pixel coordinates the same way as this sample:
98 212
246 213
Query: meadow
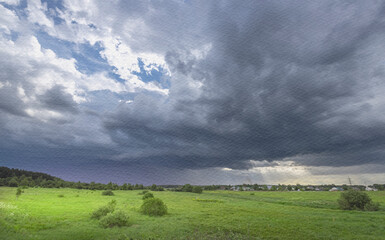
41 213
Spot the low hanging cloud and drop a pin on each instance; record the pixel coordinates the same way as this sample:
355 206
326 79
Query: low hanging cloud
189 87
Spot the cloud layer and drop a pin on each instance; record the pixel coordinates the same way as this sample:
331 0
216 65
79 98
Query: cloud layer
153 89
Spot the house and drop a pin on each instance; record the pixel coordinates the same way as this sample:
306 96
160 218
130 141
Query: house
370 189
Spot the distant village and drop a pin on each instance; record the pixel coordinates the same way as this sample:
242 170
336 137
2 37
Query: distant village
21 178
297 187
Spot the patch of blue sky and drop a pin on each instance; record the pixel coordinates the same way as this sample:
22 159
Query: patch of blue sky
10 36
89 60
19 9
62 48
87 56
52 10
53 4
115 76
155 75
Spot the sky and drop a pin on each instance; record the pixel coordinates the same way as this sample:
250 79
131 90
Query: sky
199 92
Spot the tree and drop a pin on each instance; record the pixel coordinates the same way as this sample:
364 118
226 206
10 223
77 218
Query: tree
197 189
13 182
92 186
187 188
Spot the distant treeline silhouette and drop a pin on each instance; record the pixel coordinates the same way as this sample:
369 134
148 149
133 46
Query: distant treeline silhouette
12 177
20 178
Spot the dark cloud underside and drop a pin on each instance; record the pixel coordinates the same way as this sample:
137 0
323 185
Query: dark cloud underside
276 81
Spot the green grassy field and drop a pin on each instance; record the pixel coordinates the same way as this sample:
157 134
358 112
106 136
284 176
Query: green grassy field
42 214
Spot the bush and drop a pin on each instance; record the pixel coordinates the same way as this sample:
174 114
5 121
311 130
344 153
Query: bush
108 193
372 206
143 192
104 210
356 200
18 192
153 207
148 195
116 219
187 188
197 189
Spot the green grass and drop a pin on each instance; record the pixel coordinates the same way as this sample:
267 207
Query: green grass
41 214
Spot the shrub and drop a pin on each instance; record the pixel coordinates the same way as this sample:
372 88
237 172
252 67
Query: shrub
148 195
356 200
153 207
372 206
187 188
143 192
108 193
104 210
197 189
18 192
118 219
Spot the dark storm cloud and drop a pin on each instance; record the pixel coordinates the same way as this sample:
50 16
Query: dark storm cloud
280 80
56 99
297 81
10 102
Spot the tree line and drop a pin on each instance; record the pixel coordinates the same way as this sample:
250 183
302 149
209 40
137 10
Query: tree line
21 178
12 177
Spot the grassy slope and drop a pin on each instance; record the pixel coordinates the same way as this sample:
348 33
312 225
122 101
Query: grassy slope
41 214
